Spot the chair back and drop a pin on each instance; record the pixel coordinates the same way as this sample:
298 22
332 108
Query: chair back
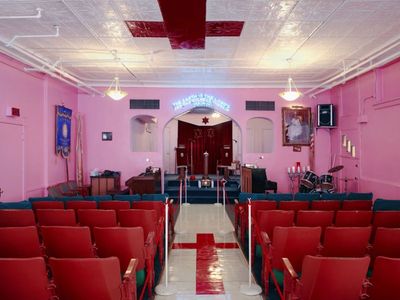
295 205
17 217
346 241
55 204
315 218
127 243
159 207
386 243
80 204
267 220
24 278
114 204
353 218
147 219
385 279
328 278
87 278
325 205
67 241
294 243
357 205
19 242
56 217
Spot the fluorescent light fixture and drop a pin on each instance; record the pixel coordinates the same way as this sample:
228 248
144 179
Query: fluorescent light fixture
114 91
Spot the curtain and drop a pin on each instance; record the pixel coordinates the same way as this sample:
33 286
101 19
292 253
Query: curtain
216 140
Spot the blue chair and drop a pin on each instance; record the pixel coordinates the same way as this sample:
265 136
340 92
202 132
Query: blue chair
307 196
48 198
333 196
279 197
25 204
70 198
360 196
384 204
130 198
254 196
99 198
154 197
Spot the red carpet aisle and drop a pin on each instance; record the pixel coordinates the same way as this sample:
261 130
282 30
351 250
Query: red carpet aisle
206 262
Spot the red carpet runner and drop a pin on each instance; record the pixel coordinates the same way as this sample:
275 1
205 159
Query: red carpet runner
208 270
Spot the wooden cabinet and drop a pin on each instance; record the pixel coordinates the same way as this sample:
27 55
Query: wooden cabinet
102 185
145 184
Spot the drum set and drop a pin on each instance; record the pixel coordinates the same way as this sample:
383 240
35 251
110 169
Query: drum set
312 183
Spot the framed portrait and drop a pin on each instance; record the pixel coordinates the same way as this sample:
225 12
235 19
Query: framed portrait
296 126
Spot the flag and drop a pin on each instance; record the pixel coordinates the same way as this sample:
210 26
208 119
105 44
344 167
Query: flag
312 151
79 153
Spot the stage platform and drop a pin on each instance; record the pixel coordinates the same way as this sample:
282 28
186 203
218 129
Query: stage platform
201 195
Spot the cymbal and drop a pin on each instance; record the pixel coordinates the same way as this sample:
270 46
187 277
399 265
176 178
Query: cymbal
335 169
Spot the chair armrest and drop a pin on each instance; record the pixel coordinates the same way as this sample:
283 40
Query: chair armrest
129 281
290 280
150 240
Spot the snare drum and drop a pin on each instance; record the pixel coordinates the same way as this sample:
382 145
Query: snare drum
326 181
310 179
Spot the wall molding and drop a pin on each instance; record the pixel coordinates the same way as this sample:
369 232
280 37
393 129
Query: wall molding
387 103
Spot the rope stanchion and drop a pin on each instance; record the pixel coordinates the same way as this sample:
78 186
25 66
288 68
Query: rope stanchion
224 230
166 289
181 212
250 289
218 203
186 203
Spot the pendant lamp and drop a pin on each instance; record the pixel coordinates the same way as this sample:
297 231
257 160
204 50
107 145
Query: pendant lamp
291 92
114 91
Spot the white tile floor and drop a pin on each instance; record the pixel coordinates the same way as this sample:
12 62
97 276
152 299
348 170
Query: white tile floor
205 218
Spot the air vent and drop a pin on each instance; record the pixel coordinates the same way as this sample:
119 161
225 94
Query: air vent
260 105
144 104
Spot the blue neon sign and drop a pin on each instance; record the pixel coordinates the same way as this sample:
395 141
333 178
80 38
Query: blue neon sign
201 100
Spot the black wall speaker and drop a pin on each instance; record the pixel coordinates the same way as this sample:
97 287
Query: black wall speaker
326 115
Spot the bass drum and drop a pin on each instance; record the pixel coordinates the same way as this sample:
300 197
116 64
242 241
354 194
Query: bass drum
326 181
310 179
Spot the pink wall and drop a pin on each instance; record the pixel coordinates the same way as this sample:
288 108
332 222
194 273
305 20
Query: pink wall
369 110
103 114
36 95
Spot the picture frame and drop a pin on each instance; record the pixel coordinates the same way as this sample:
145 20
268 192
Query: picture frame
296 126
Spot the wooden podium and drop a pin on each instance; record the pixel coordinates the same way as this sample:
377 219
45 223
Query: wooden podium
148 183
104 185
253 180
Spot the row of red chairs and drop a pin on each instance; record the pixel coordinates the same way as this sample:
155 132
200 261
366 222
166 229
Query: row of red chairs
76 242
271 218
149 220
294 243
296 205
78 279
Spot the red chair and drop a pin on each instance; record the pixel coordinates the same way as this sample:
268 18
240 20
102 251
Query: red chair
386 243
315 218
67 241
48 205
114 204
255 207
97 218
385 279
326 278
24 278
128 243
80 204
353 218
93 278
147 219
295 205
325 204
389 219
17 217
357 205
56 217
346 241
293 243
21 242
267 220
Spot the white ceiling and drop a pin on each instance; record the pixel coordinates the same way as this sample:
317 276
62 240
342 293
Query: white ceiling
323 38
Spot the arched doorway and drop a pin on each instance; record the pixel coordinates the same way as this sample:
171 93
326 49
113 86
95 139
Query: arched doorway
187 136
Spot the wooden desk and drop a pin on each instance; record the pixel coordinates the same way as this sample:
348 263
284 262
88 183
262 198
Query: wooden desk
145 184
102 185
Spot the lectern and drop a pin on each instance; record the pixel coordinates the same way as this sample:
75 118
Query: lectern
147 183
